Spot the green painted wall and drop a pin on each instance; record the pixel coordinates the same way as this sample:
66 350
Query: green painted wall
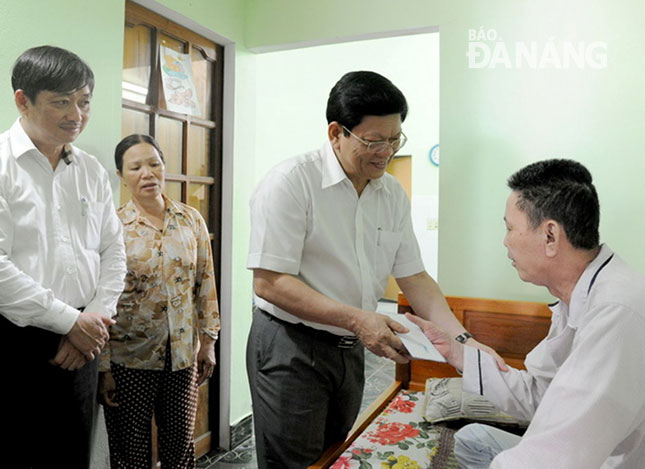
493 121
91 29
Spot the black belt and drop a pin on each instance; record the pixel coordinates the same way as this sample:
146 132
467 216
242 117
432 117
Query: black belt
340 341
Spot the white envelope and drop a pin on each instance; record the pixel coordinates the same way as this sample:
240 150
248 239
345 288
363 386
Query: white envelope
418 345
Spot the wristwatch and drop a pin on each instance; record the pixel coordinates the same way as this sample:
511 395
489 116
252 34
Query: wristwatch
463 337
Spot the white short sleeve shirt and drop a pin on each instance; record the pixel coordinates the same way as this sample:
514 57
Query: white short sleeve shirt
307 220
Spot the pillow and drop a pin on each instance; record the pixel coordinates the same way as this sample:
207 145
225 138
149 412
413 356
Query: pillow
445 401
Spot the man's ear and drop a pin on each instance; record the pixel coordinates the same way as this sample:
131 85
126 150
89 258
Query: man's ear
334 132
553 234
22 101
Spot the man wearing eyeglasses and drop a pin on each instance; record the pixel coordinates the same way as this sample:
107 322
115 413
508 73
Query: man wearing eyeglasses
328 229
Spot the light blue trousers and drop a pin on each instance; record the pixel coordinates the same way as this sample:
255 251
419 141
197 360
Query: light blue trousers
476 445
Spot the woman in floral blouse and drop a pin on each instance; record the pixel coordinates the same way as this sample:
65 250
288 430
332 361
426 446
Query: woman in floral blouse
162 345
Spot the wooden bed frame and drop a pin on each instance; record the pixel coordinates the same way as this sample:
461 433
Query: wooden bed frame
512 328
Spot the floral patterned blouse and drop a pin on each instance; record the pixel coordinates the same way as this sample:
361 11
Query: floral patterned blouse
170 295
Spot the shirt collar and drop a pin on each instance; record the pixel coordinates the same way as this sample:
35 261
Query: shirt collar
585 283
333 172
130 213
172 206
21 144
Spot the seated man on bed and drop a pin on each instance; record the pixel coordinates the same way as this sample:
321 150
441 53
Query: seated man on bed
583 386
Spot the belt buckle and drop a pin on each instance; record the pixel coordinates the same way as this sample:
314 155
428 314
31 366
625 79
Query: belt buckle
347 341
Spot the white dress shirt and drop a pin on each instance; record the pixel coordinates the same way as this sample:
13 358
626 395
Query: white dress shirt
61 244
307 220
584 384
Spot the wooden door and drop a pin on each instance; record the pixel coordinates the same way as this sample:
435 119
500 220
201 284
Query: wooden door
191 144
401 168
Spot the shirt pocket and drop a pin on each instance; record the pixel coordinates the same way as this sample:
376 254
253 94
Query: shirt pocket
89 217
387 245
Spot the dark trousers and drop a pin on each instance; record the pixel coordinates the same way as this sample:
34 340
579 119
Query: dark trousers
172 397
48 412
306 391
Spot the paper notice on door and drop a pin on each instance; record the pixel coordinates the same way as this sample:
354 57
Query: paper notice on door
178 84
418 345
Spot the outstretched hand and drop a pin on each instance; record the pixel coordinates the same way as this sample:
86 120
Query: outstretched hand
449 348
376 332
501 364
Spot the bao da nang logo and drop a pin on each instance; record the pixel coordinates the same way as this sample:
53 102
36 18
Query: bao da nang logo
487 50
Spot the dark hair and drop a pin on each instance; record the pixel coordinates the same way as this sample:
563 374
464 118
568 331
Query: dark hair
360 94
130 141
561 190
48 68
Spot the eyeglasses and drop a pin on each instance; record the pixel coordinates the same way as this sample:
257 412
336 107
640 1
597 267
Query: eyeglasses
377 147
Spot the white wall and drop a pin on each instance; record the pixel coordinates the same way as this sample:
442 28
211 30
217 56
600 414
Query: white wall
292 91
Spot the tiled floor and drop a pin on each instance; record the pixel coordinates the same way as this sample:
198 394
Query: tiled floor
379 374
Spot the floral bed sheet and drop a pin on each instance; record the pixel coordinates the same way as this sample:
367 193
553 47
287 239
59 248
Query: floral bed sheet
399 438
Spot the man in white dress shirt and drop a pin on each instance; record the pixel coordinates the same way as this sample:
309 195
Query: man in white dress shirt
61 252
583 385
328 228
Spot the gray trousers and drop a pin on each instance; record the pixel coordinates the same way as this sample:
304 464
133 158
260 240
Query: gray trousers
306 391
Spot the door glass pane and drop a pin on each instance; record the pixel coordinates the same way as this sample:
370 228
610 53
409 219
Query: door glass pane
134 122
198 198
136 63
176 45
198 151
172 43
203 77
169 136
173 190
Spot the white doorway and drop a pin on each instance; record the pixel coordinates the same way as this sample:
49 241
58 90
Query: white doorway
292 90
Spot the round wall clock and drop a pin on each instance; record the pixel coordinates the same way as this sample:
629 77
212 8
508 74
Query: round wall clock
434 155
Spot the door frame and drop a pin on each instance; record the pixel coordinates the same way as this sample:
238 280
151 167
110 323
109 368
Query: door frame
220 394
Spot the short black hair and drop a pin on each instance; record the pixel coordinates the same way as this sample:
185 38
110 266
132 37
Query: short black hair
130 141
48 68
561 190
363 93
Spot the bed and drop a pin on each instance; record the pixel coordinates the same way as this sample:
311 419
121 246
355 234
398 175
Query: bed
391 432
